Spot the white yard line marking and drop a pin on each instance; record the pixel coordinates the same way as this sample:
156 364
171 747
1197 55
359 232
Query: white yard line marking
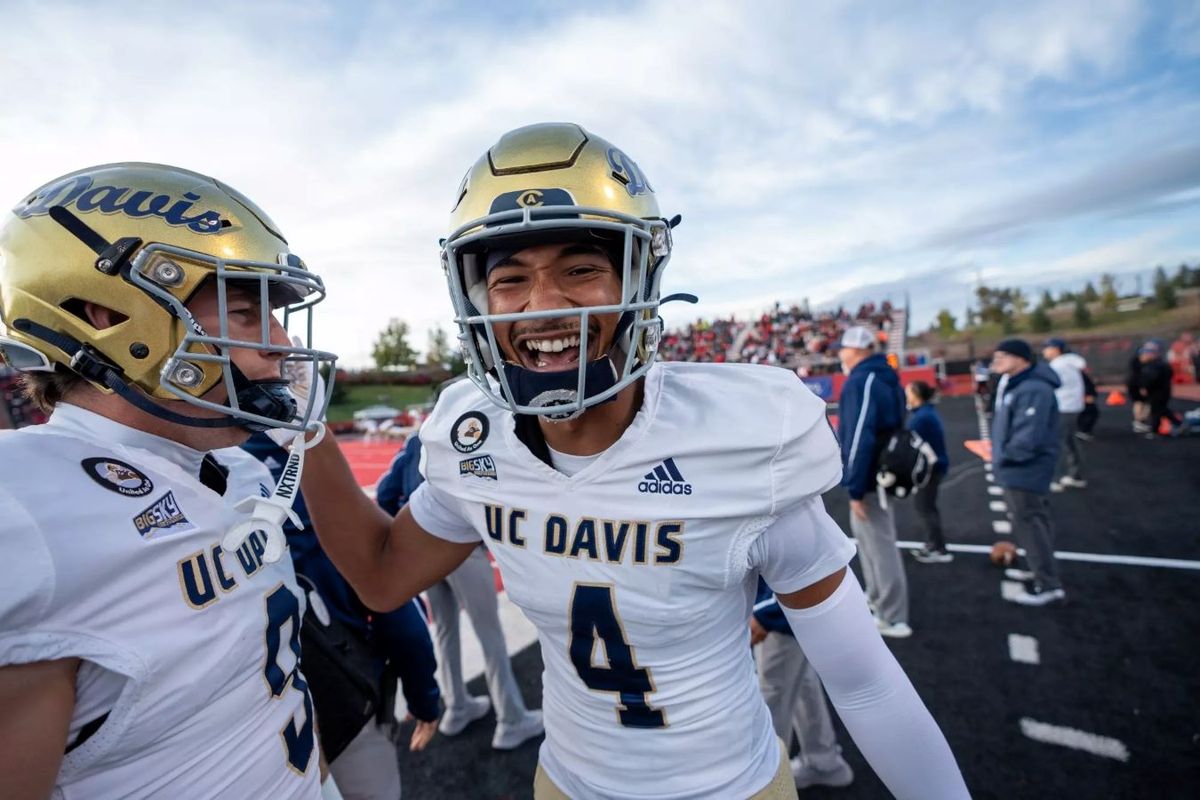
1023 649
1001 526
995 491
998 505
990 478
1067 555
1104 746
987 466
1011 589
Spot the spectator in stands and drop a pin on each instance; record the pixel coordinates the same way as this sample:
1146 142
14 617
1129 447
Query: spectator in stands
1069 367
1025 445
793 693
870 409
471 587
925 422
367 769
1153 387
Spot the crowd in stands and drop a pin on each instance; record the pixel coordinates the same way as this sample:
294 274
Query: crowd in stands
793 336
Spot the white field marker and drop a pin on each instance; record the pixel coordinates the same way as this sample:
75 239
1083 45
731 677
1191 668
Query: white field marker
1104 746
995 491
1001 526
998 505
1023 649
1011 589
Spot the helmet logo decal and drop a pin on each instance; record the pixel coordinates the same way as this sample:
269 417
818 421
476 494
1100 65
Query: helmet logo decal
627 172
469 432
532 197
136 203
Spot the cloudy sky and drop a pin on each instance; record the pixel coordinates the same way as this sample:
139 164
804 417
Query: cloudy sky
831 150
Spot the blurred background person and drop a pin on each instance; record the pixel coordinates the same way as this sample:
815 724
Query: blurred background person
1069 367
795 698
1025 444
925 422
471 587
1153 387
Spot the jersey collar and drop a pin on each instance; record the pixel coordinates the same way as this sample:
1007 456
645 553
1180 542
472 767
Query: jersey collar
88 425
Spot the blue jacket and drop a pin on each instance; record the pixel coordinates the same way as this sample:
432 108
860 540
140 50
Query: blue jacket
400 636
402 478
870 408
926 423
1025 431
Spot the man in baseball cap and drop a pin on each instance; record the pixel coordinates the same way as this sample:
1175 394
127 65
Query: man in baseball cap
871 408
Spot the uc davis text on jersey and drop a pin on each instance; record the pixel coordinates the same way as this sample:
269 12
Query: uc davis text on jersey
606 540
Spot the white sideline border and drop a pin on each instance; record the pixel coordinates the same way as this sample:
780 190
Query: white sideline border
1104 746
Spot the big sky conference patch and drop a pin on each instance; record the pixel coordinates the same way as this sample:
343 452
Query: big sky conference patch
117 476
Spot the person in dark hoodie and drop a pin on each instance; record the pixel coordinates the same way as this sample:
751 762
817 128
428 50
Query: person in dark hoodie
1025 445
925 422
870 409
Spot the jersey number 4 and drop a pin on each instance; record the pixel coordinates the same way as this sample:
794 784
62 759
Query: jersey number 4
594 614
283 607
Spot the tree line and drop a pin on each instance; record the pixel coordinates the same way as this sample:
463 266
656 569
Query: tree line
1004 305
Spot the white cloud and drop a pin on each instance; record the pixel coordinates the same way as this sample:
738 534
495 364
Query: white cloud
810 145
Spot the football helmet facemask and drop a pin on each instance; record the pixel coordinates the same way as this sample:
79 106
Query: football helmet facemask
140 239
549 183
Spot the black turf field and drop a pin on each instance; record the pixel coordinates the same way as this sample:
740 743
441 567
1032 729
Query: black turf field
1120 660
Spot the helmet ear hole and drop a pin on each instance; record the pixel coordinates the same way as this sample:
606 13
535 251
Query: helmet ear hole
98 316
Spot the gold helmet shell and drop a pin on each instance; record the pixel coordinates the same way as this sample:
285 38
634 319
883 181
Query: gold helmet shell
541 183
138 239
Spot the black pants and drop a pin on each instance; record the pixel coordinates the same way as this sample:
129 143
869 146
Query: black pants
1030 515
926 506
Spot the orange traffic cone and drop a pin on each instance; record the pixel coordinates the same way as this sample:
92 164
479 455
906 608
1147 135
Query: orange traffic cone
1164 427
1115 398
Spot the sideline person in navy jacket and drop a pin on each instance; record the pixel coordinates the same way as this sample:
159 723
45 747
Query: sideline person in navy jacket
1025 444
925 422
870 409
400 637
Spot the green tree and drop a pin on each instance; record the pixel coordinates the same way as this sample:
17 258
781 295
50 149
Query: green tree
437 350
1183 277
1039 320
1047 301
1164 290
1020 302
946 324
1067 296
391 349
1108 292
1083 317
1090 295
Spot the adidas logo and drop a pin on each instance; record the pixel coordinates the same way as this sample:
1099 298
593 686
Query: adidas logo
665 479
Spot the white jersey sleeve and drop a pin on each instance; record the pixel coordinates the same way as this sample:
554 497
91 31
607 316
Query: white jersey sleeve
800 548
439 514
808 461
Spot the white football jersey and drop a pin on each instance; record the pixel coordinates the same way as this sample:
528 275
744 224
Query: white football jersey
110 553
637 570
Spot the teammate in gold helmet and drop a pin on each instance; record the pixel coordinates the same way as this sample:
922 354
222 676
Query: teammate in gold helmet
139 659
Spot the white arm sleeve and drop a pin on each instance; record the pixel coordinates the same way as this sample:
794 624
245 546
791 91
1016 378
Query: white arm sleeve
876 701
439 514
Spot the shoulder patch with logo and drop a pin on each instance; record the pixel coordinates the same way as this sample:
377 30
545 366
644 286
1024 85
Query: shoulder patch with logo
117 476
163 514
480 466
469 432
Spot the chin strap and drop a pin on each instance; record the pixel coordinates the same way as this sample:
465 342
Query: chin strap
268 514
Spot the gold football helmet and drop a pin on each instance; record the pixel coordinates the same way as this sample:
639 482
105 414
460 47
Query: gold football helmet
140 239
546 183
